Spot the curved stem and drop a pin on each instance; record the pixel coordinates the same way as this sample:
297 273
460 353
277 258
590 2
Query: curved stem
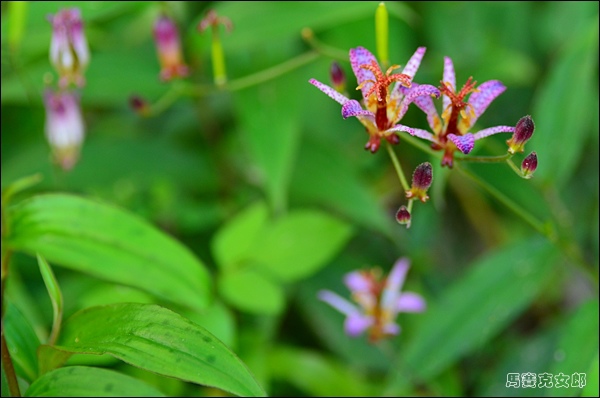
483 159
399 171
323 49
9 370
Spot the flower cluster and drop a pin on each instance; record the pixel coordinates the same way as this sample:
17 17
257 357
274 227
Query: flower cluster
378 302
70 55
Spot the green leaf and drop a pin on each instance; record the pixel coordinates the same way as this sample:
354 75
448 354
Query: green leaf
299 244
22 343
109 243
563 107
251 291
56 297
158 340
317 374
83 381
577 348
233 241
591 388
476 307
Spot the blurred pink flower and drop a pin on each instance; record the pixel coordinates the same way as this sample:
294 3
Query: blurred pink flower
168 47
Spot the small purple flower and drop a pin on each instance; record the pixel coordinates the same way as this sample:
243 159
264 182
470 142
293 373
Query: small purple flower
451 131
69 52
168 47
383 108
379 301
64 126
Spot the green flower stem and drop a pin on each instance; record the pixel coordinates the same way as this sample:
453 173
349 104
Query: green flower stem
13 385
382 34
484 159
218 58
323 49
514 168
546 229
399 171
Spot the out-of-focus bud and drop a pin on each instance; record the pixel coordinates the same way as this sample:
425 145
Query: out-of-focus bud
69 52
338 77
168 47
213 21
523 132
529 165
403 216
139 105
421 181
382 34
64 126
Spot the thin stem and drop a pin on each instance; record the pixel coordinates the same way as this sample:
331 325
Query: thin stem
399 171
13 384
514 167
483 159
546 230
323 49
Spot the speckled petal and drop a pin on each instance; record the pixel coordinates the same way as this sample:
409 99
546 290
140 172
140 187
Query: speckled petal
357 323
449 77
493 130
482 98
410 302
464 143
361 56
353 108
412 94
424 134
332 93
414 62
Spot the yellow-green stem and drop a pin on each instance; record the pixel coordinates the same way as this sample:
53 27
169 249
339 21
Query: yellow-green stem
399 171
382 35
218 59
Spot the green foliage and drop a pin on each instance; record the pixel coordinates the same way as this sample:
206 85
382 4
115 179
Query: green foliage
183 253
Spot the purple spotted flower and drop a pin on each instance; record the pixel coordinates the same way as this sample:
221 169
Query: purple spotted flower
379 301
452 130
383 108
69 52
64 126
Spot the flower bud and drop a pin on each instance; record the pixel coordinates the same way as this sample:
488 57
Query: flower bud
529 165
338 77
403 216
421 181
69 52
217 55
523 132
139 105
64 127
168 47
382 34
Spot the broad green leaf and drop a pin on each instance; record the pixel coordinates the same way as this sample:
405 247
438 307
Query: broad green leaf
251 291
476 307
109 243
83 381
56 297
233 241
300 243
316 374
22 342
577 347
563 106
159 340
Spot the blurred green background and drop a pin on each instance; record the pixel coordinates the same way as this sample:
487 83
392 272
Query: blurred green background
210 155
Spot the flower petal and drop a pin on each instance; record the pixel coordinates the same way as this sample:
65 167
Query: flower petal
357 281
361 56
332 93
463 142
449 77
391 328
355 324
414 62
394 283
353 108
425 103
426 135
338 302
493 130
482 98
418 90
410 302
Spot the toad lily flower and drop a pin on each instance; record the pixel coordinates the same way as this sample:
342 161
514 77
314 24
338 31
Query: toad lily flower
379 301
168 47
69 52
451 131
384 108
